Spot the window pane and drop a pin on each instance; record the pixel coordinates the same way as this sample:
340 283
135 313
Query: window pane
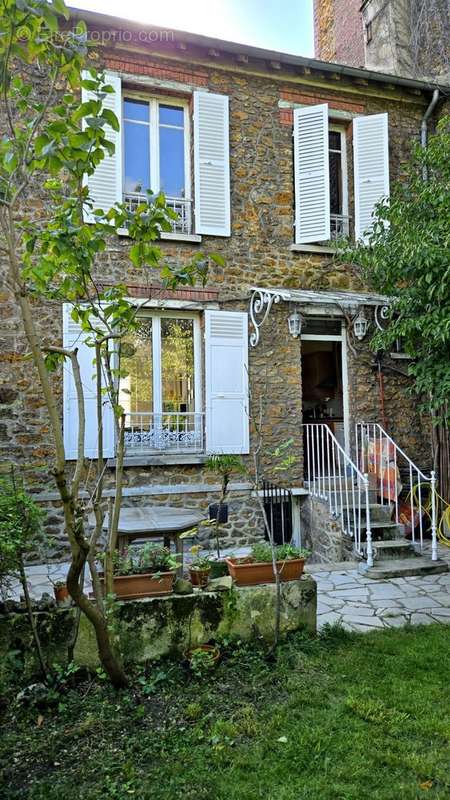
177 362
136 360
334 140
137 157
335 183
171 161
171 115
136 109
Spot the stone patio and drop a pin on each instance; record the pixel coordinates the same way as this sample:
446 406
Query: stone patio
345 595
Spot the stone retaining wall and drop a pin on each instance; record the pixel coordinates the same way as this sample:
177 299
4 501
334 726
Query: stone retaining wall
160 626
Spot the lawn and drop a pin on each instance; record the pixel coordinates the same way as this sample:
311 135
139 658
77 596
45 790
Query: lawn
340 717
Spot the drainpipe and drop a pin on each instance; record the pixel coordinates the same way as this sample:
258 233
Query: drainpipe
424 127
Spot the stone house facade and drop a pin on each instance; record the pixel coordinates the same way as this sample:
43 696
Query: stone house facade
267 159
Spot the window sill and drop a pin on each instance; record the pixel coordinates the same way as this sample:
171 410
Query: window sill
155 460
182 237
312 248
192 238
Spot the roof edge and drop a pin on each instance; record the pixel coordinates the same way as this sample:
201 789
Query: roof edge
355 73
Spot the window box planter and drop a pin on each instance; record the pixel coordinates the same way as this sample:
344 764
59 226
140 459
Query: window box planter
151 584
247 572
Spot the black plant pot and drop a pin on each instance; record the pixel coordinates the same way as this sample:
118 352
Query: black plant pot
219 511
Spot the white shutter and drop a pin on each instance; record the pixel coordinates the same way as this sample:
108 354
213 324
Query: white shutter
211 164
311 174
105 185
226 362
73 337
371 167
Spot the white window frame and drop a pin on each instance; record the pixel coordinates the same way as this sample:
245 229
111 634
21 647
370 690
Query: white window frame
344 166
156 317
153 126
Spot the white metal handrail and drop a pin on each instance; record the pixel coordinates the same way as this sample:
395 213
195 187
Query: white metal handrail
181 205
377 452
170 431
333 477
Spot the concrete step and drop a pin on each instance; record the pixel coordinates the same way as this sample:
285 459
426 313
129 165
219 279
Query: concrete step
382 531
394 549
405 567
378 513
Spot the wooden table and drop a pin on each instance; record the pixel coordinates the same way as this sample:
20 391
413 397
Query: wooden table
151 522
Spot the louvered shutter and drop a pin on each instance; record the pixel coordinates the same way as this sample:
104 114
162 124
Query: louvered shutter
105 185
73 337
226 361
211 164
311 174
371 168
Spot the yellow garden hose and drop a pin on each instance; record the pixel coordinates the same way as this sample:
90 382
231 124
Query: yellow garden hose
443 523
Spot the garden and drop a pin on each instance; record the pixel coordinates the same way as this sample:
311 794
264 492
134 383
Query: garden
336 716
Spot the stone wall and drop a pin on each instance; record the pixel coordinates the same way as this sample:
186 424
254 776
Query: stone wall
322 535
160 626
258 252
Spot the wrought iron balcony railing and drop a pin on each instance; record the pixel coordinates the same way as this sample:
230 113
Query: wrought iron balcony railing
340 227
181 205
169 432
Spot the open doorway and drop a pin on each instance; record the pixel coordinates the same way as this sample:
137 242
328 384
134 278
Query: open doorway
324 378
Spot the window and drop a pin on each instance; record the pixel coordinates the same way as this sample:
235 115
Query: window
338 183
156 154
369 33
161 393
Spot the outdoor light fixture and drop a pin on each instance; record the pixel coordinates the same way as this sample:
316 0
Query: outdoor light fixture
360 325
295 322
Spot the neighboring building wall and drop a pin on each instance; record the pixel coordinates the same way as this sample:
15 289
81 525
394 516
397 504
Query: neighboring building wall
257 253
401 37
338 33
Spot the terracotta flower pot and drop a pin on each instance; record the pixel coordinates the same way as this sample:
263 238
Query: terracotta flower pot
207 648
61 593
131 587
199 577
246 572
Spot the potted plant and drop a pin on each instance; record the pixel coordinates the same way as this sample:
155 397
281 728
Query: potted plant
224 466
145 572
61 591
203 658
199 568
258 566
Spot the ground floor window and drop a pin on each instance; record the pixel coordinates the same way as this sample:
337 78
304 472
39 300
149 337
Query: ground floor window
162 392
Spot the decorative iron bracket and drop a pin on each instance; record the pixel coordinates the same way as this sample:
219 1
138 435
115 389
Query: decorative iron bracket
261 302
381 314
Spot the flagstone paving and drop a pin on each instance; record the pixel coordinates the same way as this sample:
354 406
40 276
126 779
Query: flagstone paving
347 597
344 595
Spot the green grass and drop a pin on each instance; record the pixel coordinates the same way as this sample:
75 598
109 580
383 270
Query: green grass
341 717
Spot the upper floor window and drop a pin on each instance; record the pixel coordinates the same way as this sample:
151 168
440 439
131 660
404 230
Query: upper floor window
320 174
156 154
337 157
152 150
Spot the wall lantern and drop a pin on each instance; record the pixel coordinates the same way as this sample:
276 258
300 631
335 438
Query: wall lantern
360 325
295 321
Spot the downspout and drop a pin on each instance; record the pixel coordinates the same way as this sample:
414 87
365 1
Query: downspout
424 128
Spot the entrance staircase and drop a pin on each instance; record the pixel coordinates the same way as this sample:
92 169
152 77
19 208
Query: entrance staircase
364 495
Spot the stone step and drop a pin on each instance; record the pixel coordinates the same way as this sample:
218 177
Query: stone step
378 512
382 531
394 549
405 567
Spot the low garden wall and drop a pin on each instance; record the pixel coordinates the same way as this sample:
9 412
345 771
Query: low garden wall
159 626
